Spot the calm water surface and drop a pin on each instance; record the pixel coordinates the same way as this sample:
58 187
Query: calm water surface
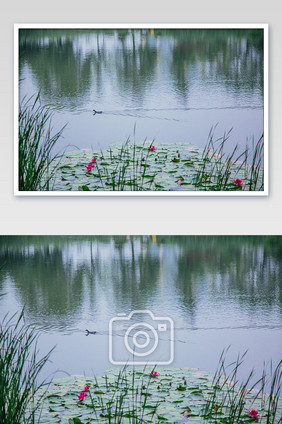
219 291
166 85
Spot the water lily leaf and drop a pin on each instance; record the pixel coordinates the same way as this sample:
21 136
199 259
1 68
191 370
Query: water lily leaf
75 421
54 395
164 162
181 388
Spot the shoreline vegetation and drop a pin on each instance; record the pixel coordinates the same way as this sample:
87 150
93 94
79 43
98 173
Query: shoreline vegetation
163 395
19 371
36 143
160 167
132 395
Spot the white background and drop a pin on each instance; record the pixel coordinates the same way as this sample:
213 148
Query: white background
140 215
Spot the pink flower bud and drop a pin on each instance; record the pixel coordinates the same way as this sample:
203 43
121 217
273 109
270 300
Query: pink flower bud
238 182
253 413
81 396
89 167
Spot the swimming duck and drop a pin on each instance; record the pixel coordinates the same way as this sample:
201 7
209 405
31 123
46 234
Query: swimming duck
90 332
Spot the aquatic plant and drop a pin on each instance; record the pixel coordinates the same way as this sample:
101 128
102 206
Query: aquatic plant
19 370
255 182
217 167
124 169
229 398
35 145
127 400
254 414
181 166
81 396
238 182
143 395
271 401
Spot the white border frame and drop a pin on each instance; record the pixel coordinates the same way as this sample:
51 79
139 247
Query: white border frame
142 193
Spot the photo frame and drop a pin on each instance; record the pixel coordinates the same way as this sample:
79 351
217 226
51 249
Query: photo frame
114 120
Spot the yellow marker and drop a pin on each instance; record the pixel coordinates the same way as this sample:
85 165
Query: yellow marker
154 238
152 31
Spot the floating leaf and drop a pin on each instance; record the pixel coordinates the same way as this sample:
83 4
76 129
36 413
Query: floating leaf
181 388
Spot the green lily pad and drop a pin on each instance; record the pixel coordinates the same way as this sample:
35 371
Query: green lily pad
122 168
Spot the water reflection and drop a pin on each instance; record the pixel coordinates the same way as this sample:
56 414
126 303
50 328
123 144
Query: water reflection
214 288
55 275
68 61
166 73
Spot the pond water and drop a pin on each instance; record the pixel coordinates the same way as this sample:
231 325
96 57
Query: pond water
163 85
218 291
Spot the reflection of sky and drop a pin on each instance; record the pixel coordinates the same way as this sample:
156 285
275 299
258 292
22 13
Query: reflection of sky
206 97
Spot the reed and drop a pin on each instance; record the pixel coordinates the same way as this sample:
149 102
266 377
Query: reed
36 143
270 401
228 398
256 166
19 369
128 400
218 169
127 170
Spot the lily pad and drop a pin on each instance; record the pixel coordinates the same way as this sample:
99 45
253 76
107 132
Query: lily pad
123 167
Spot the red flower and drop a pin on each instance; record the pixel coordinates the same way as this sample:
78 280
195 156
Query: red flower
152 148
238 182
154 374
81 396
253 413
89 167
93 160
86 388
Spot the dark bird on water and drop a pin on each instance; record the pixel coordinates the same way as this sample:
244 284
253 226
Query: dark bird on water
90 332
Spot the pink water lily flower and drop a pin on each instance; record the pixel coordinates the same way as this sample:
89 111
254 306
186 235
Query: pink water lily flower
93 160
81 396
238 182
154 374
152 148
86 388
89 167
253 413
